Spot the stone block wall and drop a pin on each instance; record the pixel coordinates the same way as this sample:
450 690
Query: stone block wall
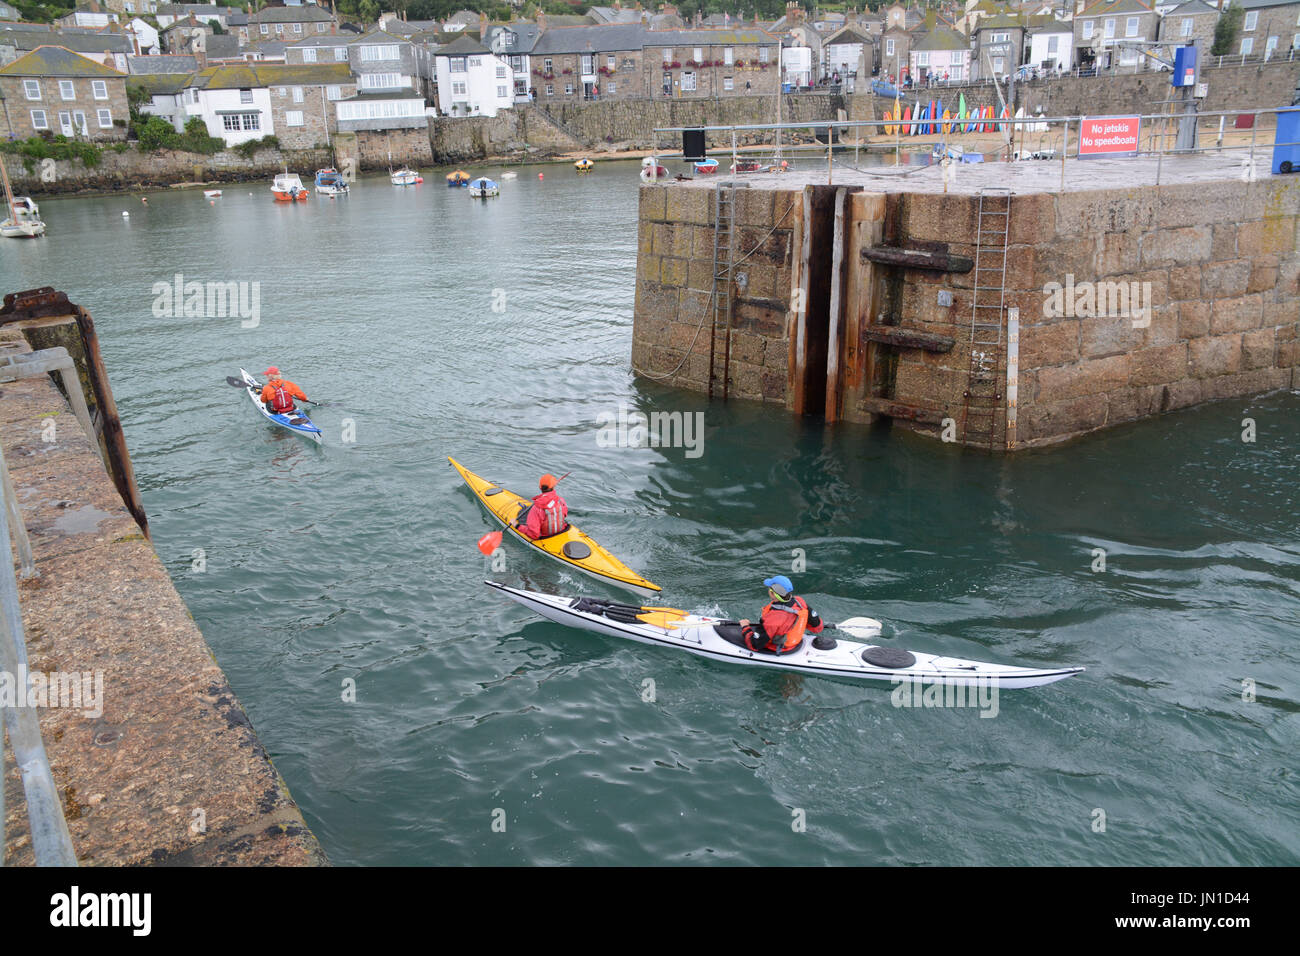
674 281
1217 266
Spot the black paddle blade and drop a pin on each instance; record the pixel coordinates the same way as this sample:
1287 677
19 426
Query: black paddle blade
231 380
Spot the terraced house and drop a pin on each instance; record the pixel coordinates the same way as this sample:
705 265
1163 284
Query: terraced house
699 63
55 90
1189 22
1269 27
589 62
1106 32
248 102
942 53
289 24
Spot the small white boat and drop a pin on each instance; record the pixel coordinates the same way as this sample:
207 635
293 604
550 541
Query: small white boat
483 187
330 182
212 194
509 175
405 177
24 218
651 170
288 187
23 221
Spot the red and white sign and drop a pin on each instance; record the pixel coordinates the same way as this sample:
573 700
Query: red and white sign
1109 136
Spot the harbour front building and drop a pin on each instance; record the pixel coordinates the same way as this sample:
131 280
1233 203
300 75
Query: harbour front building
53 90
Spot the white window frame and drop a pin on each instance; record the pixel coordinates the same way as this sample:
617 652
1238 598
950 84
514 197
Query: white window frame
1252 20
297 93
502 92
889 46
105 119
1108 30
67 91
1186 27
28 86
1131 26
699 54
457 64
99 89
266 30
333 92
568 89
728 56
610 88
688 81
459 88
297 28
728 83
294 118
668 54
245 97
309 54
340 54
1247 45
550 89
1087 29
43 122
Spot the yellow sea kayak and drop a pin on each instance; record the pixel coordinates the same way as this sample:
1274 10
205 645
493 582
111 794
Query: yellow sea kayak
571 546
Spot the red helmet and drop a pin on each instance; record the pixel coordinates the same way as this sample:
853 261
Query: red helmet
547 482
273 372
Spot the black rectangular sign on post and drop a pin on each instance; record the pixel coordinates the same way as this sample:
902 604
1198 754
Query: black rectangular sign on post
693 143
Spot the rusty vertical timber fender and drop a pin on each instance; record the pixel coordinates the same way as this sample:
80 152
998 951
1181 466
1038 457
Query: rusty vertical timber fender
48 303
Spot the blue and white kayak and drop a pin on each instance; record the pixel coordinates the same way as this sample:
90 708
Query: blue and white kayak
296 421
720 640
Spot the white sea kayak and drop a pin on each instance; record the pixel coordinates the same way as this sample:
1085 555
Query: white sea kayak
715 638
296 421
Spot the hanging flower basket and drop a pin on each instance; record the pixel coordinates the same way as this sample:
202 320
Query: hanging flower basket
740 64
567 71
691 63
676 64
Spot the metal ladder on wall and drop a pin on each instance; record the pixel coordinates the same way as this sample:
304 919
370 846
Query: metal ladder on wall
984 394
724 260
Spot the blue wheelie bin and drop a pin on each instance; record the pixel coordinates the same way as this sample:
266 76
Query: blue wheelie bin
1286 143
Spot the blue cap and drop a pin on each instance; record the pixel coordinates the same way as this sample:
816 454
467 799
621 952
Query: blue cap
782 584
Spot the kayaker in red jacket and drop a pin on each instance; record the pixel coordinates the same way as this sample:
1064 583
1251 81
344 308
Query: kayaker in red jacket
278 393
785 620
548 513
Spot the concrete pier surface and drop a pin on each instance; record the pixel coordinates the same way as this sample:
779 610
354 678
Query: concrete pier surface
1025 176
162 766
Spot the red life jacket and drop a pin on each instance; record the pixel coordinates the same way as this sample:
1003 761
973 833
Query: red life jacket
551 513
281 400
784 625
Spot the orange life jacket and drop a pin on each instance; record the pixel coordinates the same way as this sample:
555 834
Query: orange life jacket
784 625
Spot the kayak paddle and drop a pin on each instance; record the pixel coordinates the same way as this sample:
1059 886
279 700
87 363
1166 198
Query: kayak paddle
231 380
492 540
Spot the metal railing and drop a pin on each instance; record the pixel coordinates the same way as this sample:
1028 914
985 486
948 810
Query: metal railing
1058 142
51 841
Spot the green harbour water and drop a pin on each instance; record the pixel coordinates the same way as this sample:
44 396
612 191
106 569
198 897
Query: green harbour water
354 564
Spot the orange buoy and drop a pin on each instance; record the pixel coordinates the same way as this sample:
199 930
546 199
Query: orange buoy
541 175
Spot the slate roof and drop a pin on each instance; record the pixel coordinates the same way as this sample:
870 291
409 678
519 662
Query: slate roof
849 33
610 38
463 46
312 14
1104 7
244 76
160 84
941 38
161 65
57 61
734 37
